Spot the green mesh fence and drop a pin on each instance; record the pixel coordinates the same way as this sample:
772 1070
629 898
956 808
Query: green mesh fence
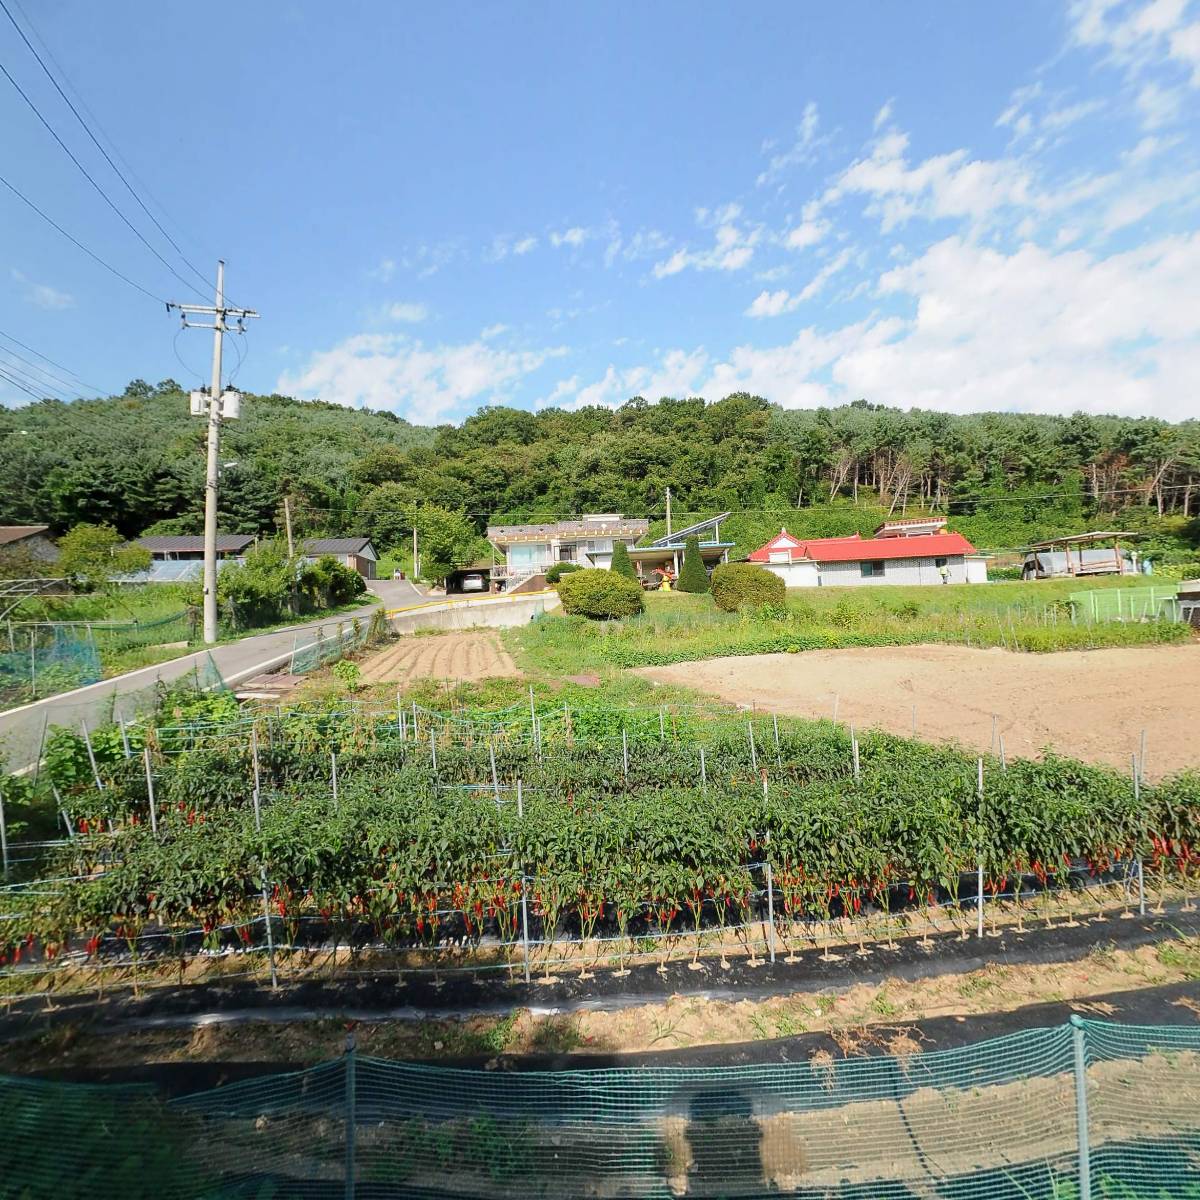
1086 1109
330 645
1159 603
42 660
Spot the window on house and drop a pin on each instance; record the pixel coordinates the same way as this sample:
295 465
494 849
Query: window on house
939 562
779 556
872 569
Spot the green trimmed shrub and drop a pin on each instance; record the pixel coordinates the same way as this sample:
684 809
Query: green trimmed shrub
559 569
622 564
599 594
692 575
736 585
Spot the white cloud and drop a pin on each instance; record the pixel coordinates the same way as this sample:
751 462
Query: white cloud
1158 105
807 233
732 248
42 295
423 383
949 185
384 270
1027 330
493 331
772 304
504 244
1140 35
883 116
410 312
573 237
803 150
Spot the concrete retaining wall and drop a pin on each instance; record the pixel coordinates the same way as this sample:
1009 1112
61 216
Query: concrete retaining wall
492 612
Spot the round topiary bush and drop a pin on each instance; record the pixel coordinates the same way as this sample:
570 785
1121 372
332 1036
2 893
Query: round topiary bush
599 594
559 569
735 585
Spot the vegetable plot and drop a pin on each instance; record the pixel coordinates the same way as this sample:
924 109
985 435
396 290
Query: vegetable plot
420 843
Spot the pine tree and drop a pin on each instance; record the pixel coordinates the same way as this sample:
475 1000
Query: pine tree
692 576
622 563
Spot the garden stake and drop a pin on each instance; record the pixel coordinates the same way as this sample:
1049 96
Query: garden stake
778 755
91 756
495 777
432 748
257 793
753 751
770 882
267 920
524 898
124 737
3 836
625 752
333 776
703 773
150 793
994 720
854 753
63 810
979 901
662 727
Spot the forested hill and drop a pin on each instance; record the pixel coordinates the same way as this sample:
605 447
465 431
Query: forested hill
137 461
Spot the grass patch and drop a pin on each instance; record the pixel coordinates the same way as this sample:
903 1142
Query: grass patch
1182 956
676 627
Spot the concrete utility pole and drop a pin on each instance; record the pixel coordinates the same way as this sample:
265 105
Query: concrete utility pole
668 512
217 402
287 520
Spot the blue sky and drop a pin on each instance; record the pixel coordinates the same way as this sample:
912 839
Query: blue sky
953 206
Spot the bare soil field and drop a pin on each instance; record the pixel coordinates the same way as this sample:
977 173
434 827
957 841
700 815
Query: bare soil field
459 656
1091 704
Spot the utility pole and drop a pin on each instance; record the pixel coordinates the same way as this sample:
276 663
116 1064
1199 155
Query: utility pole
668 512
216 404
416 574
287 521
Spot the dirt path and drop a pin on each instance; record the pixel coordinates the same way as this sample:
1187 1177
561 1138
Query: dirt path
440 656
1090 704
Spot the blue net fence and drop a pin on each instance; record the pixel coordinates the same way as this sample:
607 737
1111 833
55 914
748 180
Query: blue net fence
1066 1113
43 660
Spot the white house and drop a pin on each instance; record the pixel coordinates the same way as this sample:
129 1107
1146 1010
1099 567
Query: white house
530 550
918 551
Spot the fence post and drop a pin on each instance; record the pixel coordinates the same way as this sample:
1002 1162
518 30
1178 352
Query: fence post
979 872
262 874
3 834
91 756
1078 1039
150 792
433 748
351 1117
770 880
524 898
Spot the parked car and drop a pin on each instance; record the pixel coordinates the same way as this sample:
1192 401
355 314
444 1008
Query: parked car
474 583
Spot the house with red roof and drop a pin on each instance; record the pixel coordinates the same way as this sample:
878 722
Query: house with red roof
920 550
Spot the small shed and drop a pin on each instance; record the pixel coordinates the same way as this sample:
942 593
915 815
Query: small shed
357 553
1080 554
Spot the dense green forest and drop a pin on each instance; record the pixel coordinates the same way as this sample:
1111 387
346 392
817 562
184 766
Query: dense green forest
136 461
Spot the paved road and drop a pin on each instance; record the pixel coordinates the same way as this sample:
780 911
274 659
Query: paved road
21 729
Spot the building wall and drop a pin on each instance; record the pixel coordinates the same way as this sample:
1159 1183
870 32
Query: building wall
796 574
897 571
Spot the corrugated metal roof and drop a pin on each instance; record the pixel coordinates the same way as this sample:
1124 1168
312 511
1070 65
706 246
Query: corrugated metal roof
860 549
17 533
346 545
229 543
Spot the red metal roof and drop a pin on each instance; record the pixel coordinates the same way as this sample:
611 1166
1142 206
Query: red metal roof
857 549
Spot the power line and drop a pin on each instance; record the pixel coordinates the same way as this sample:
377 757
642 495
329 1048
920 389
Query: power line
76 242
99 190
79 386
18 383
52 389
46 358
95 141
